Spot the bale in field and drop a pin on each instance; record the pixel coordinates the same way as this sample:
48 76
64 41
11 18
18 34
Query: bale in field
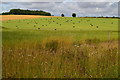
4 27
91 24
73 26
111 22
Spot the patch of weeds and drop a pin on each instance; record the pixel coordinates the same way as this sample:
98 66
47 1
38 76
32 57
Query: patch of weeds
52 45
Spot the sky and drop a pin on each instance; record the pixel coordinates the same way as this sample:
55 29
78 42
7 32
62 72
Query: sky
66 7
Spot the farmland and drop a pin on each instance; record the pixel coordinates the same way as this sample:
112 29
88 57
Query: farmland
60 47
14 17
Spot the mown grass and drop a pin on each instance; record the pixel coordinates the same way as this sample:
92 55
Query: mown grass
32 50
63 23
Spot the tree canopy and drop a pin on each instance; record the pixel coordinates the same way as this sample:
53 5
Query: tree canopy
74 15
62 15
27 12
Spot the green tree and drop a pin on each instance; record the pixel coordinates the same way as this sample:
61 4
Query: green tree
62 15
73 14
27 12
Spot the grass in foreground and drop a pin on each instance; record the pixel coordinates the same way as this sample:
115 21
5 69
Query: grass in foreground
78 48
61 59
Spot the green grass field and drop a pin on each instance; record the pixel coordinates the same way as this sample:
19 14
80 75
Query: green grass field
60 47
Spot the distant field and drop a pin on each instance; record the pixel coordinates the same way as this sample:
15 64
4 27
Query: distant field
66 23
60 47
76 28
14 17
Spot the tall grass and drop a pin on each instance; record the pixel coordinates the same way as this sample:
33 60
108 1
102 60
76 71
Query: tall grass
60 48
61 58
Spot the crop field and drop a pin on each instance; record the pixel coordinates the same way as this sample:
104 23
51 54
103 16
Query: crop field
14 17
60 47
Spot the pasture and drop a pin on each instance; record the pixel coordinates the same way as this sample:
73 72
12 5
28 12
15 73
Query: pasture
60 47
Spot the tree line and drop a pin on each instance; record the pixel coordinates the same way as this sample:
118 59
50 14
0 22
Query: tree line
74 15
26 12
